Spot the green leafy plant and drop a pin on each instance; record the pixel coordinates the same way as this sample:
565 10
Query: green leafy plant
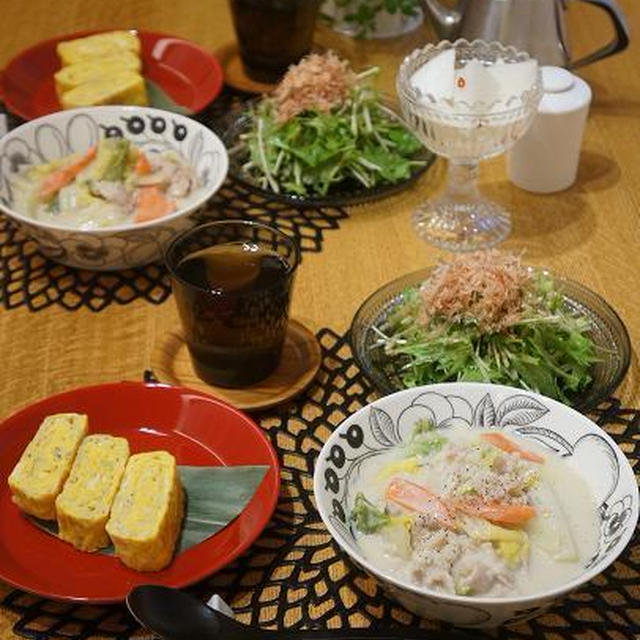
367 517
424 441
361 14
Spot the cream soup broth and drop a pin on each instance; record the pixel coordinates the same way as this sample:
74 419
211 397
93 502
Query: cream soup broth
471 513
113 183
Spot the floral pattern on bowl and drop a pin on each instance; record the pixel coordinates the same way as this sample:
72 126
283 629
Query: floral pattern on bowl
66 132
376 428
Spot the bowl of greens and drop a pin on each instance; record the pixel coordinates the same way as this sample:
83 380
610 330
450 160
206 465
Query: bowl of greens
486 317
324 137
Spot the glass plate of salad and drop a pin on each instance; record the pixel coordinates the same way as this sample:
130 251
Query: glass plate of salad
569 344
325 137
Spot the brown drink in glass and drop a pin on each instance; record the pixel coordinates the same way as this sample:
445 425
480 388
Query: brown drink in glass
273 34
232 281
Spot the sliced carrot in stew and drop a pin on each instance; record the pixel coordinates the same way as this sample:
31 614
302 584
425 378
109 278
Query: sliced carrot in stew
142 166
62 177
498 512
151 203
509 446
418 498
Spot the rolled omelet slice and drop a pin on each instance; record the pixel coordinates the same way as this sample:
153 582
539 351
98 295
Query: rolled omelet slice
147 511
98 46
40 474
119 87
86 71
83 507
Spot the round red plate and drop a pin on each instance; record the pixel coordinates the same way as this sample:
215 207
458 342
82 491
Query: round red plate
189 74
196 428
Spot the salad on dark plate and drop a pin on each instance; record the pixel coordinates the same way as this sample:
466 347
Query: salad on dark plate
487 317
324 136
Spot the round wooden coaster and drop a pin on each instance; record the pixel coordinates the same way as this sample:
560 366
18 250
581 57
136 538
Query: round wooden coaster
300 361
234 73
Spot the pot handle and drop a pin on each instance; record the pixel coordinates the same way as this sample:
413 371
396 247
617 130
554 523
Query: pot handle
620 41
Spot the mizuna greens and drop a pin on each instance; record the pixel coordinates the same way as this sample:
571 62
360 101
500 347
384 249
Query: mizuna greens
348 137
527 338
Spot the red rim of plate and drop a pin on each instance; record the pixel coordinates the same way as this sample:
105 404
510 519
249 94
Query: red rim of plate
48 561
28 90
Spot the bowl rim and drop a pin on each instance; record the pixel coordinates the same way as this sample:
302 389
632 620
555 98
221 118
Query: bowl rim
548 594
106 231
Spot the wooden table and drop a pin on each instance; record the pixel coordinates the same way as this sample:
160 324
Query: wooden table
590 233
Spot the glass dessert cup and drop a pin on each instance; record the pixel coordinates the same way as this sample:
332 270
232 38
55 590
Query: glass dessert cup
465 132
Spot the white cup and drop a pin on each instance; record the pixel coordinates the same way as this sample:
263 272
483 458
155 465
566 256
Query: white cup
546 158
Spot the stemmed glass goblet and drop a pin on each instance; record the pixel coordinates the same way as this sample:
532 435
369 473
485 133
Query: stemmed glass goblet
466 131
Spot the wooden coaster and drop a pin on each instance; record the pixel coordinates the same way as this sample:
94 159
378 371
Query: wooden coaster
300 361
234 73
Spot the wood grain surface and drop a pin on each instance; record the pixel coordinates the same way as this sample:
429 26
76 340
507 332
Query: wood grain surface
590 233
301 358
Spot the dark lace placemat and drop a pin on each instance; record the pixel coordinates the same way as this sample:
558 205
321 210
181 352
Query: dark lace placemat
295 576
29 279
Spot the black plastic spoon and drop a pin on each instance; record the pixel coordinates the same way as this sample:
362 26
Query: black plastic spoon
175 615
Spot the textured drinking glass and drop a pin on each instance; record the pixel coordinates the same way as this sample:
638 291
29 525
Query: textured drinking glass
232 281
461 219
273 34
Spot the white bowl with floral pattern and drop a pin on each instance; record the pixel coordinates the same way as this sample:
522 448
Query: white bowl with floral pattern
64 132
384 423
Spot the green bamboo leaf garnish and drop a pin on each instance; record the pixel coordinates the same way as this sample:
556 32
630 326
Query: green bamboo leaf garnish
159 99
214 497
